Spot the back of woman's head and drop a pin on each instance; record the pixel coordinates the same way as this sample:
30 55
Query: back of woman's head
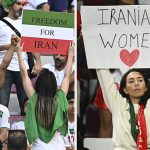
145 97
45 87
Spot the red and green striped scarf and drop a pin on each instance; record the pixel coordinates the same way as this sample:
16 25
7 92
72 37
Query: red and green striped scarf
139 134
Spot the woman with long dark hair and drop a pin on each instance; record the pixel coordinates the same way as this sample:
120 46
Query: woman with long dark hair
46 116
130 108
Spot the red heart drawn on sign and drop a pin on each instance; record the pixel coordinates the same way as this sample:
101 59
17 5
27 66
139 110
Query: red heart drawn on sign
129 58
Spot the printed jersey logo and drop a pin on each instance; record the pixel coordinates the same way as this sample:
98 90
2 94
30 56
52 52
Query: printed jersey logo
1 114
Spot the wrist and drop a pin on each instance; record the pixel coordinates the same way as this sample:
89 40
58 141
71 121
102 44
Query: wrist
38 63
12 47
20 60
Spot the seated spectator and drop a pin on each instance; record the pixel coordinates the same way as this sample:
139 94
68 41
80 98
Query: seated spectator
70 138
17 140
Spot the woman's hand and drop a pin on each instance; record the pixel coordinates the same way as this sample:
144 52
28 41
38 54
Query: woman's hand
71 49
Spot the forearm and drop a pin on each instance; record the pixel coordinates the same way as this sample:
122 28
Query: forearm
69 65
3 134
37 58
67 76
23 69
4 47
27 84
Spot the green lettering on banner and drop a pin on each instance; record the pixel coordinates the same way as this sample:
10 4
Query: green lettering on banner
53 19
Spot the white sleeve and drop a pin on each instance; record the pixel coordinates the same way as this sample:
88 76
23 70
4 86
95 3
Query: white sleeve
112 97
4 117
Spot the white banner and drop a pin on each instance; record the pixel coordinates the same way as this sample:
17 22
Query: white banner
116 36
48 32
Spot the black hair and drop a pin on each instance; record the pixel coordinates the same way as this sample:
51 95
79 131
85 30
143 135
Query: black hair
17 140
23 113
45 87
70 95
146 96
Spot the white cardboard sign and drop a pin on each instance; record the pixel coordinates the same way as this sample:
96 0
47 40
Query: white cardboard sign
116 36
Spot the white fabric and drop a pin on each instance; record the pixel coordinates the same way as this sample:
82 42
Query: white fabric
122 138
144 2
58 74
4 117
73 3
69 139
18 125
42 31
5 37
56 143
34 3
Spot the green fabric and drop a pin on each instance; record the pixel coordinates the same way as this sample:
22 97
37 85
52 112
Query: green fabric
7 3
1 114
134 130
35 130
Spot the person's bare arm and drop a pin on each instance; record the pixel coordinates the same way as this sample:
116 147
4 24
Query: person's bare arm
7 58
37 67
4 47
71 83
27 84
3 134
68 71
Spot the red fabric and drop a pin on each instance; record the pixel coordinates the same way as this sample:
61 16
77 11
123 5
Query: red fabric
99 100
78 76
142 136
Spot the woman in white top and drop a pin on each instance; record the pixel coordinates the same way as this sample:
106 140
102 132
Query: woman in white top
130 108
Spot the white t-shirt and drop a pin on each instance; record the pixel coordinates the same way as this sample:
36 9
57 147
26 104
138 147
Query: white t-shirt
5 38
69 139
34 3
59 75
56 143
18 125
4 117
119 107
